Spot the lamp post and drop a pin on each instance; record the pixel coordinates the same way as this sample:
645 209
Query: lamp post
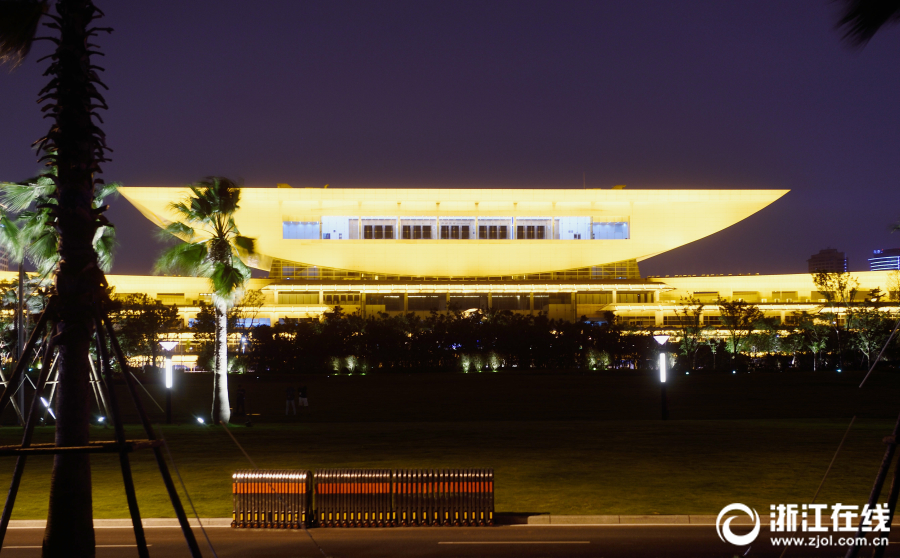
661 339
168 346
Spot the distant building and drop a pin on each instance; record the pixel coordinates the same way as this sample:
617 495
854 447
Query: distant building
885 260
829 260
4 260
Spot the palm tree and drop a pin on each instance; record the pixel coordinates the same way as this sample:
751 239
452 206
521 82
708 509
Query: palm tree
76 146
212 248
27 229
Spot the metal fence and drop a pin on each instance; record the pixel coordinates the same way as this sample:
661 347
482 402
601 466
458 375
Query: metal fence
363 498
444 497
271 498
353 498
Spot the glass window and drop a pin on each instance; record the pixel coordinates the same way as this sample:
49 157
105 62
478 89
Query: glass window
445 232
464 232
530 233
520 232
417 231
454 232
367 232
389 231
426 231
540 232
407 234
501 232
482 231
379 231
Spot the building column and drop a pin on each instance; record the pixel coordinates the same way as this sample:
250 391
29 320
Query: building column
614 298
405 301
658 317
321 297
531 303
490 301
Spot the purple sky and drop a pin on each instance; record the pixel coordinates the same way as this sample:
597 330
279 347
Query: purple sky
738 94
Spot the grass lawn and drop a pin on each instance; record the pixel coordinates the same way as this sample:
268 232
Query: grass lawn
558 443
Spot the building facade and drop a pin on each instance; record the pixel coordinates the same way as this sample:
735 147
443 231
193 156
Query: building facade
885 260
828 260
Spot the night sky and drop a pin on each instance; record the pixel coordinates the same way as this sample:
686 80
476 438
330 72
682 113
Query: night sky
678 94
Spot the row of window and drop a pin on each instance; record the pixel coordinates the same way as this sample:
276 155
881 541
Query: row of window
453 232
462 228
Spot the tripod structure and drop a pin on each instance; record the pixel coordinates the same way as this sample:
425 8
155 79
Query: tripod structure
106 396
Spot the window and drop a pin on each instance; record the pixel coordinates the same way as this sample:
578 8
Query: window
492 232
300 229
464 232
482 231
501 232
540 232
407 234
520 231
417 231
389 231
454 232
379 231
611 231
367 232
445 232
529 232
426 231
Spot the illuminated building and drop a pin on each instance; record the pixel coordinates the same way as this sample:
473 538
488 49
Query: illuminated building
568 253
885 260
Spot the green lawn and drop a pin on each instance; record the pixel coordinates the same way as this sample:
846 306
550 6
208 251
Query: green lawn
555 442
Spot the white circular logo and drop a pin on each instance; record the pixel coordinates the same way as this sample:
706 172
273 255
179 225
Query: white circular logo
724 529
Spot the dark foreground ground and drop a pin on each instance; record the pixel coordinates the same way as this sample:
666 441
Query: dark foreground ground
559 443
494 542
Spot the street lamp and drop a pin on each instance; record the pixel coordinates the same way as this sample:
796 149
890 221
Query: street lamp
661 339
168 346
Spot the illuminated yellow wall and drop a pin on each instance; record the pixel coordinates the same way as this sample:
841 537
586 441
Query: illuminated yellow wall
659 220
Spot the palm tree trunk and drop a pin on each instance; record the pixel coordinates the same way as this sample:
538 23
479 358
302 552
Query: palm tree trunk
221 410
70 529
79 146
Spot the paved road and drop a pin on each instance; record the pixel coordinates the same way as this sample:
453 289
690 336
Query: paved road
614 541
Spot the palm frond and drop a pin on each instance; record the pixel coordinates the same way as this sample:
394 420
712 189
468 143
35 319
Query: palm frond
245 245
18 197
184 259
18 25
863 18
105 246
105 190
43 251
178 230
11 239
228 280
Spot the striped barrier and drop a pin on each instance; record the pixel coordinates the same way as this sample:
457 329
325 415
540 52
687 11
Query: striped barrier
444 497
353 498
363 498
271 499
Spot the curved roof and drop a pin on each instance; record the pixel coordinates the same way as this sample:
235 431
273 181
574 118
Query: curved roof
657 221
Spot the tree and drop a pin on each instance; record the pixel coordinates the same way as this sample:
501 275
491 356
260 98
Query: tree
814 333
139 322
76 146
27 225
212 248
738 318
689 317
869 329
839 290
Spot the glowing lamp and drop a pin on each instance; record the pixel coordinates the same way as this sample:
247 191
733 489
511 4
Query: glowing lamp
168 346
